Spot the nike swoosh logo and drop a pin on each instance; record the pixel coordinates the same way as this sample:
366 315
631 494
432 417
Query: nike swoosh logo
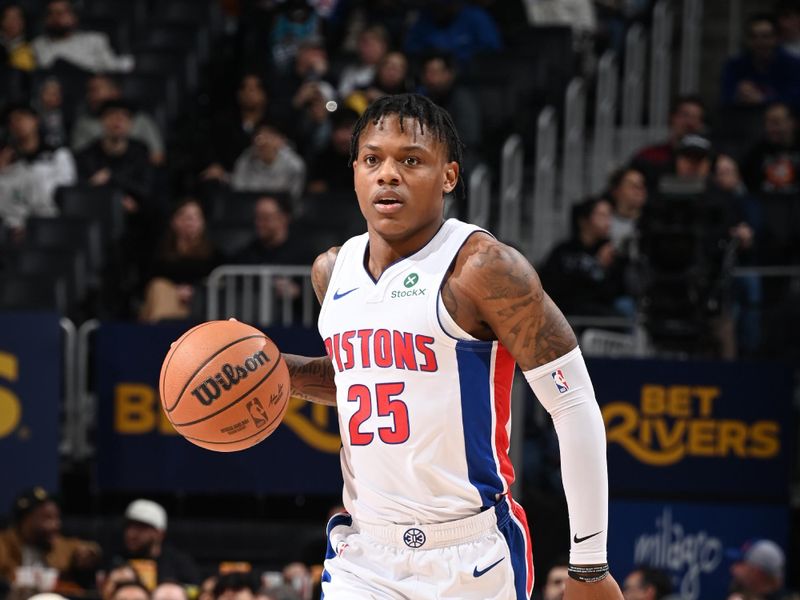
337 295
578 540
477 573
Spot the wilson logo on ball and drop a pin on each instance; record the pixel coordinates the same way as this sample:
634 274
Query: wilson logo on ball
228 377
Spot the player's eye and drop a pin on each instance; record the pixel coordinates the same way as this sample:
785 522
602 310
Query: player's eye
371 159
411 161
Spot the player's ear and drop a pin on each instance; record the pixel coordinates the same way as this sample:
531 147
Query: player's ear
450 176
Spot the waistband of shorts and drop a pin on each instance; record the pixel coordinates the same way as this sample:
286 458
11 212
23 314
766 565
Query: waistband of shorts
422 536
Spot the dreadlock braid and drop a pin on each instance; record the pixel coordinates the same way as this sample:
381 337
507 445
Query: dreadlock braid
429 115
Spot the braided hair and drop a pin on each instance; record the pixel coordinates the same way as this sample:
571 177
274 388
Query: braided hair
429 115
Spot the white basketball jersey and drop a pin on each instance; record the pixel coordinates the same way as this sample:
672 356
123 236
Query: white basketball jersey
424 416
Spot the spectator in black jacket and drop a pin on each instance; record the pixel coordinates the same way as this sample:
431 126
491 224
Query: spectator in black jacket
583 274
773 165
119 161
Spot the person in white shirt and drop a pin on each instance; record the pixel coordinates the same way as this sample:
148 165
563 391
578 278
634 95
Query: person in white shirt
89 50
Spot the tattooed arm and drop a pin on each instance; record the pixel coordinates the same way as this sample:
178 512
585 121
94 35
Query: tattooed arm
494 293
312 378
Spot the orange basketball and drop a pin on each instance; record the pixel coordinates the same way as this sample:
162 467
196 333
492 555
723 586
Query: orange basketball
224 385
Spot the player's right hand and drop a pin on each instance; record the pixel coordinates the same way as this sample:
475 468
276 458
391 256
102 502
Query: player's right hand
607 589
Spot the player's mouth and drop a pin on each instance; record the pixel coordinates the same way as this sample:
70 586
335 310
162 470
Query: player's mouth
387 203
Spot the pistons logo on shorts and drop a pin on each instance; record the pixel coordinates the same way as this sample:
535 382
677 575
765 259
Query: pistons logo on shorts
560 381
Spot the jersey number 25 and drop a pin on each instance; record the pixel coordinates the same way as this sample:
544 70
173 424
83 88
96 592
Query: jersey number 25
387 405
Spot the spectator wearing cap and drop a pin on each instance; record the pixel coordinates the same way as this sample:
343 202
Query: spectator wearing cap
686 117
119 161
88 50
52 167
34 540
772 166
764 72
145 549
88 126
270 164
759 572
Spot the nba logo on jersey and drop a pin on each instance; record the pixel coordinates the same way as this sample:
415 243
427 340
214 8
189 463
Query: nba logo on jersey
560 380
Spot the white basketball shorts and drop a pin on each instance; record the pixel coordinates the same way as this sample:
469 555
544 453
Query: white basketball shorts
484 557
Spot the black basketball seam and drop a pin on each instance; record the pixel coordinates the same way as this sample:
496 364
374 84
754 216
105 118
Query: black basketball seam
235 402
205 363
188 437
165 366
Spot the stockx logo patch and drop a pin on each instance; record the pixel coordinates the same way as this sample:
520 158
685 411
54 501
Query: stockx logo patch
410 291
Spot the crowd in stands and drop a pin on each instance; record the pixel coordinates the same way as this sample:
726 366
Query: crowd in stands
38 562
158 127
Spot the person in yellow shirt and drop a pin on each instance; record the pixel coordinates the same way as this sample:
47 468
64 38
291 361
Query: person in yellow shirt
13 39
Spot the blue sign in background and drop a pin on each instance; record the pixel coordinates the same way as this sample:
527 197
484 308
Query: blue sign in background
696 544
152 461
30 402
737 445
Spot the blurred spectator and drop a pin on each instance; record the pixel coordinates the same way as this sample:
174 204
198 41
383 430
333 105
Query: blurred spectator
21 194
236 586
627 193
89 127
13 39
89 50
296 23
130 590
52 115
170 591
207 588
743 222
773 164
392 77
439 81
693 160
373 44
453 26
107 582
273 243
233 132
556 581
787 13
686 116
155 561
269 164
579 15
583 274
646 583
117 160
331 171
313 103
184 258
759 571
52 167
298 579
34 541
764 72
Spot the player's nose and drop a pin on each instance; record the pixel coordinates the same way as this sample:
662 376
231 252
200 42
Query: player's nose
388 173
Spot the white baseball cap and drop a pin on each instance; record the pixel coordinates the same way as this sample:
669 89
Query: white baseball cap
147 512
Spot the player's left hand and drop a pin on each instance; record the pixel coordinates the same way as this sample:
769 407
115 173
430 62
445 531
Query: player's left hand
607 589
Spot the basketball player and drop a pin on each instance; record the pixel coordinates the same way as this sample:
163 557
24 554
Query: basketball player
423 320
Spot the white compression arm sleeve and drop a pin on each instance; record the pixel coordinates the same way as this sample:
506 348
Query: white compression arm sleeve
565 390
